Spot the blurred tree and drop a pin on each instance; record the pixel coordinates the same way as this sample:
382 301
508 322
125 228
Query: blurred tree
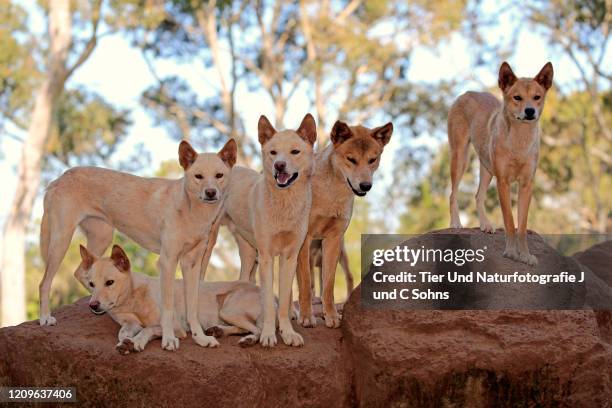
580 30
350 58
66 128
18 69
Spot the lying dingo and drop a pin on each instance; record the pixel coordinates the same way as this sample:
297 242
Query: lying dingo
170 217
133 300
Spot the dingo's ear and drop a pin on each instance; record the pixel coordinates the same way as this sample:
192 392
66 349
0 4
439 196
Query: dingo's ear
308 129
120 259
86 257
383 133
187 156
506 77
229 152
265 130
340 133
545 76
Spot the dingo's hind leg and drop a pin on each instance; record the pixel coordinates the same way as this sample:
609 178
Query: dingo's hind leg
481 195
459 141
60 228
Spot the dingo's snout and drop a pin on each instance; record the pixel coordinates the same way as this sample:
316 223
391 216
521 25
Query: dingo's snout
280 165
210 193
365 186
95 307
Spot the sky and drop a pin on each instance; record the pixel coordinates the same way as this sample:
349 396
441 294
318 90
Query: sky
117 71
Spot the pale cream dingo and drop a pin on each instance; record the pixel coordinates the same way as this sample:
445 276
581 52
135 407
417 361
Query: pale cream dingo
268 213
170 217
133 300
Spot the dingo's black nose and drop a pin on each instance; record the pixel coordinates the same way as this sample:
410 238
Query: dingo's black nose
95 306
529 112
280 165
210 192
365 186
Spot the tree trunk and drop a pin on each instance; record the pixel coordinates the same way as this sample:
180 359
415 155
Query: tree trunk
29 172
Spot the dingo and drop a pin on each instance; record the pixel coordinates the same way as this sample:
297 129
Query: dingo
170 217
316 258
342 170
133 300
268 214
506 137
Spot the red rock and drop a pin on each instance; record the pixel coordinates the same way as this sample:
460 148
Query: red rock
598 259
80 352
378 359
479 358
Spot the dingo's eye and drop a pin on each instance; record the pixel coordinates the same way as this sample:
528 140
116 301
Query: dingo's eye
517 98
91 284
273 152
535 98
219 175
199 176
371 161
109 282
295 151
351 160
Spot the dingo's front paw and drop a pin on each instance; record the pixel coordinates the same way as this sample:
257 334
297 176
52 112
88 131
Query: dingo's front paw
139 343
170 343
486 226
47 321
528 258
205 341
248 341
308 321
125 347
455 224
511 253
268 339
332 320
291 338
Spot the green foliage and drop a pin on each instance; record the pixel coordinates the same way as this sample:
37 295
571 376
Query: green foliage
18 70
87 128
576 164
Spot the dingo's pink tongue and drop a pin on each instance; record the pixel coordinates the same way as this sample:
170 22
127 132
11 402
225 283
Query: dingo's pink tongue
282 178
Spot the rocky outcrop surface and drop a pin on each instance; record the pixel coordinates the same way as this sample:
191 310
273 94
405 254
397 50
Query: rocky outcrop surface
378 358
480 358
598 259
79 352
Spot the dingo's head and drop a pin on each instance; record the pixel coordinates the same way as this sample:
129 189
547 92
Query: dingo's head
524 97
207 174
109 279
357 151
287 154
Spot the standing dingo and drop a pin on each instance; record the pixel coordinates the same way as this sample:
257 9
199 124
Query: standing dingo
268 213
170 217
344 169
506 137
